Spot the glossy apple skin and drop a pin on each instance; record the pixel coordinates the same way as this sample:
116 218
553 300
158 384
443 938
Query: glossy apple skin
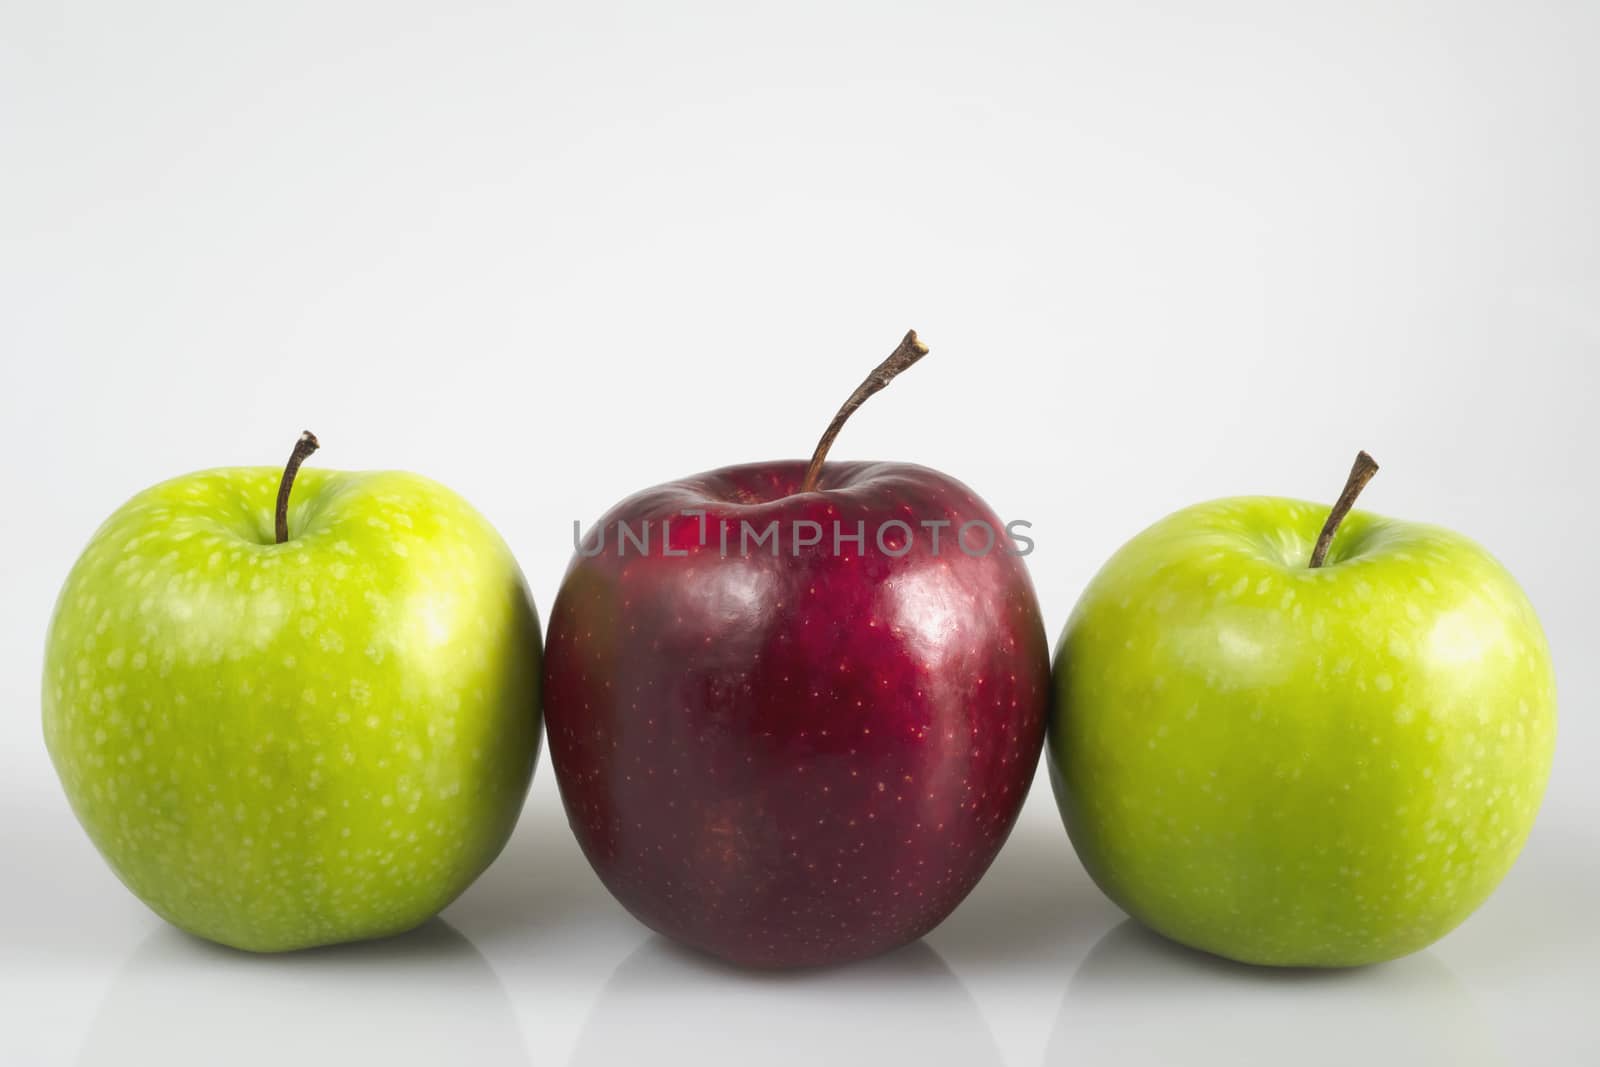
1290 766
280 746
796 761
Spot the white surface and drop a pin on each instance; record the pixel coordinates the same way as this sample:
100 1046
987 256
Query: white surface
550 256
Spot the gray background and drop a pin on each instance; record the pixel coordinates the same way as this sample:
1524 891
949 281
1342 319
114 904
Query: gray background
552 254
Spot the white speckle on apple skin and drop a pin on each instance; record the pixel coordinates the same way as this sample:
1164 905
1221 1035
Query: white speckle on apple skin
199 689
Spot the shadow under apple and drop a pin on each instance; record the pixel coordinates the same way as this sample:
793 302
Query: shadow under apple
666 1001
1034 912
540 889
1138 998
426 997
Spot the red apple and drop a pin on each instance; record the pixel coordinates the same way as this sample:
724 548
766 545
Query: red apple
783 745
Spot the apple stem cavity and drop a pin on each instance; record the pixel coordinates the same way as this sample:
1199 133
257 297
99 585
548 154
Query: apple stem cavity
908 352
1360 474
302 449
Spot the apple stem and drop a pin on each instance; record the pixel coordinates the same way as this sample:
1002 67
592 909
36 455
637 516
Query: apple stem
1360 474
302 448
908 352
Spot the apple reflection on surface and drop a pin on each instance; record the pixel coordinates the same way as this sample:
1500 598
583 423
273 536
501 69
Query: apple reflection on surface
427 997
667 1002
1138 998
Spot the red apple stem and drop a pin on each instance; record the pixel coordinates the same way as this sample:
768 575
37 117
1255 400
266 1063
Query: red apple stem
1360 474
302 448
908 352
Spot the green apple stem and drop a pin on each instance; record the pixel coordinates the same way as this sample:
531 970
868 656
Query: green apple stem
908 352
1360 474
302 448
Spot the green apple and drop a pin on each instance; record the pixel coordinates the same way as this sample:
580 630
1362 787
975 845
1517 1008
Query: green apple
294 738
1301 765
